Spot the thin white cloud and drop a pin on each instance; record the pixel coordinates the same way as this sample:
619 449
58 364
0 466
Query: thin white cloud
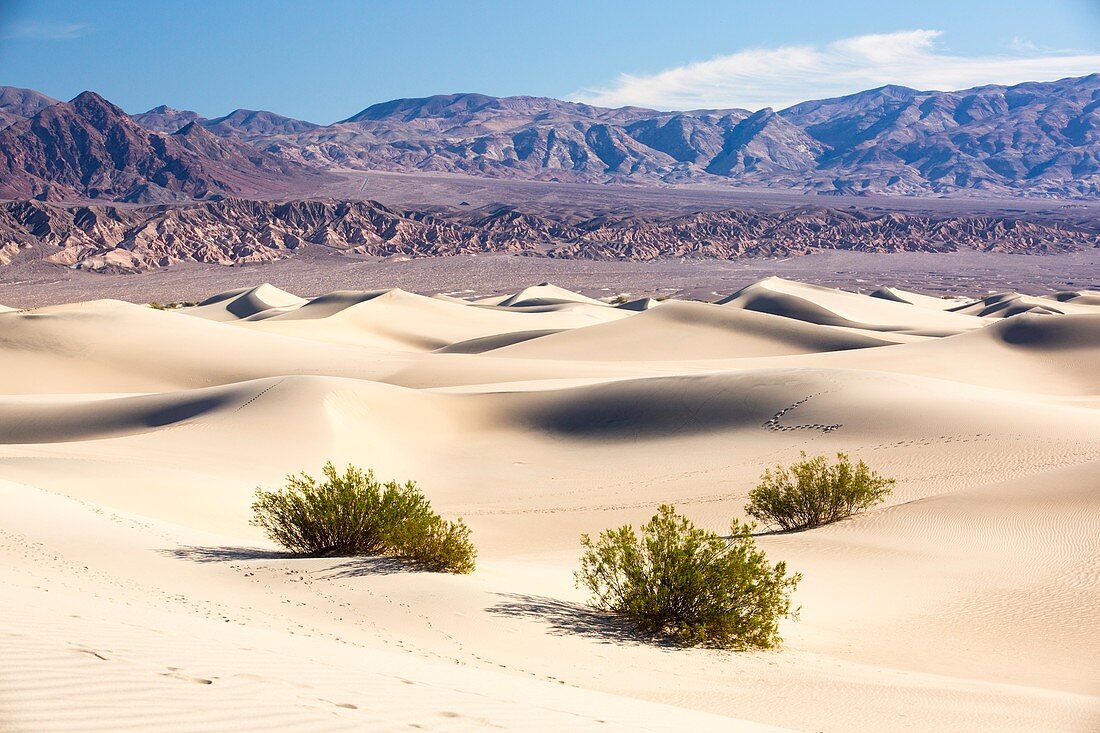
47 31
780 77
1024 45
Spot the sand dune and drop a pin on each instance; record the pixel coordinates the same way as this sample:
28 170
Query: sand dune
829 307
1026 353
403 321
113 346
1078 297
483 344
332 304
246 302
163 642
129 348
1005 305
639 304
685 331
137 594
926 301
543 294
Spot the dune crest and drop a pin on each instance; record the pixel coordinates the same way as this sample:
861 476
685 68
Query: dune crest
927 301
544 294
830 307
686 331
245 303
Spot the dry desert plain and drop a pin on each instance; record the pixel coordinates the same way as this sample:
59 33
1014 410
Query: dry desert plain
138 597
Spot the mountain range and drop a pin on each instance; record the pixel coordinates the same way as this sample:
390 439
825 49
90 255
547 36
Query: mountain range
89 148
1031 139
94 188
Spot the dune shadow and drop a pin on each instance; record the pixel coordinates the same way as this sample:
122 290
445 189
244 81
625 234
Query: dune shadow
564 618
341 567
184 410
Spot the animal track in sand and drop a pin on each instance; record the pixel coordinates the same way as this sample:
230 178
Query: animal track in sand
772 423
259 394
92 652
177 674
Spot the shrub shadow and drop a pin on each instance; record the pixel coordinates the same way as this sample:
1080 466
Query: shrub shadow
357 567
342 567
564 618
773 532
227 554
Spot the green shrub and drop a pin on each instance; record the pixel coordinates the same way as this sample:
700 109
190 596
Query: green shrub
355 514
437 544
689 583
812 492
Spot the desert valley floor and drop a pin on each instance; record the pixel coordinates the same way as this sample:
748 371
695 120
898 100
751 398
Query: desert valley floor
138 596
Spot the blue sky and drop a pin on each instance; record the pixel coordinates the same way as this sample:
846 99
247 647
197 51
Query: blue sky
324 61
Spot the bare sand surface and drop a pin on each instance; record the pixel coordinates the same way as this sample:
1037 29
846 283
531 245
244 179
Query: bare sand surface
137 595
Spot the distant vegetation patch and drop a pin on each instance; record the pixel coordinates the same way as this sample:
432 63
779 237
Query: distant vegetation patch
813 491
170 306
676 579
354 514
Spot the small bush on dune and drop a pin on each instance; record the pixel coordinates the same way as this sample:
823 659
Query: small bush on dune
170 306
355 514
812 492
437 544
345 514
687 582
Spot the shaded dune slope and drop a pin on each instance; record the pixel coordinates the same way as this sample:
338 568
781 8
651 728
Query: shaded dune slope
679 330
405 321
1027 353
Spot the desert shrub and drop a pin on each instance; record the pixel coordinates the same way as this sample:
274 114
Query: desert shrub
343 514
812 492
689 583
355 514
436 544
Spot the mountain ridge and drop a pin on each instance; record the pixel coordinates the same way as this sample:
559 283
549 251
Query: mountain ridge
17 103
1034 139
90 148
234 231
1030 139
